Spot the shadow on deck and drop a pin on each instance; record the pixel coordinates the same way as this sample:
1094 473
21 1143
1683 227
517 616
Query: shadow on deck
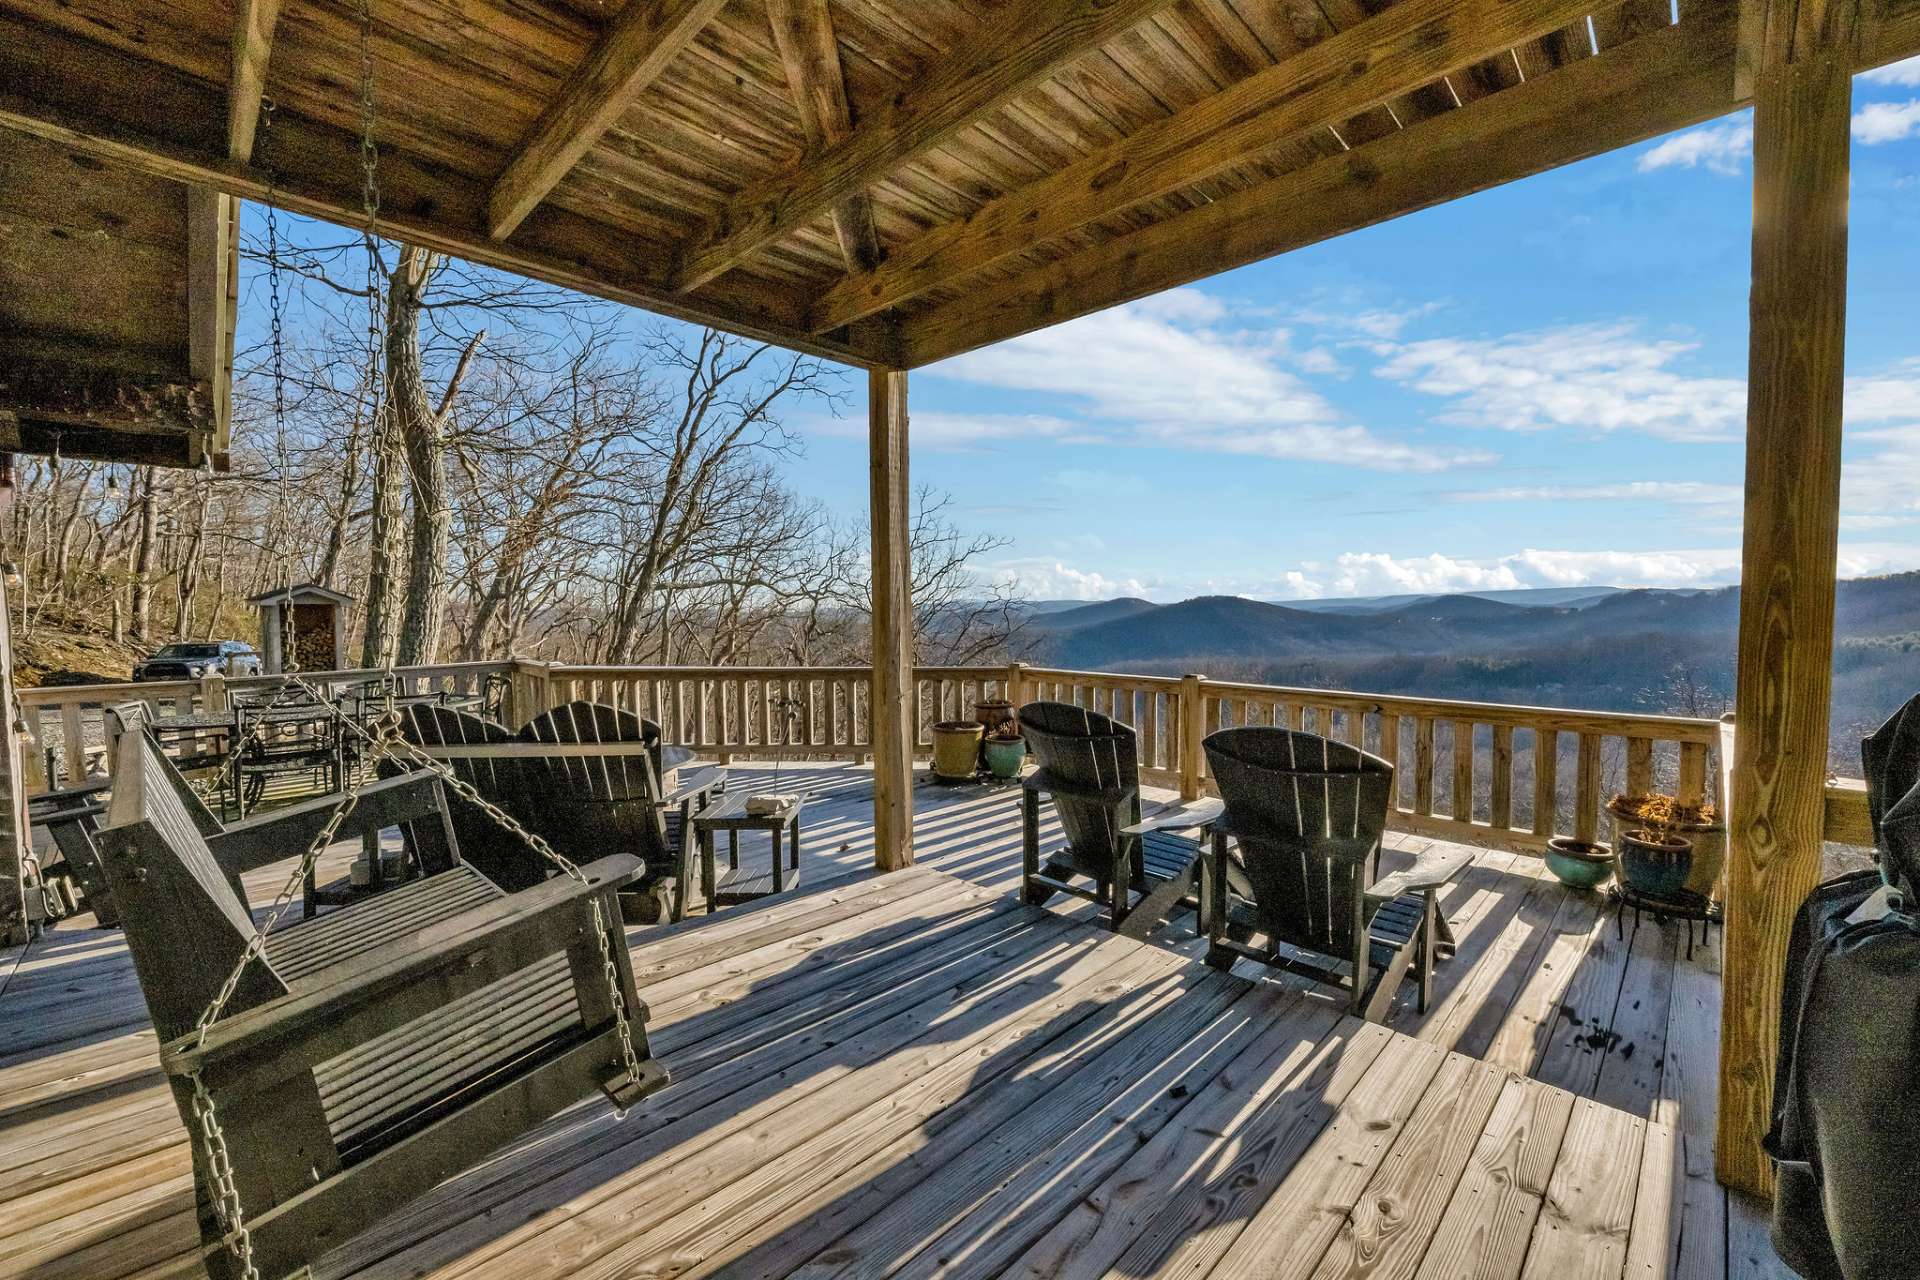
915 1075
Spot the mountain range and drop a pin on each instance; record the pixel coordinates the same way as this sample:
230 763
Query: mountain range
1603 648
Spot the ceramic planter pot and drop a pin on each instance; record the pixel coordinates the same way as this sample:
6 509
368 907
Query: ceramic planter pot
1656 863
1709 851
1004 756
992 713
1577 864
956 749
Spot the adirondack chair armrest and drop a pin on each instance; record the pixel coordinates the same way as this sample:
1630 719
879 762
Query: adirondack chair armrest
1432 868
1181 817
387 986
259 841
694 784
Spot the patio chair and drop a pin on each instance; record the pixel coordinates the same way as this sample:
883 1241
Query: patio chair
357 1060
604 794
71 817
1089 770
1307 815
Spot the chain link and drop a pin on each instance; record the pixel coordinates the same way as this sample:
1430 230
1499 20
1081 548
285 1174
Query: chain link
213 1141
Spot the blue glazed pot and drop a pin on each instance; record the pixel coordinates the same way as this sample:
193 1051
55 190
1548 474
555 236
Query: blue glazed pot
1004 756
1655 863
1577 864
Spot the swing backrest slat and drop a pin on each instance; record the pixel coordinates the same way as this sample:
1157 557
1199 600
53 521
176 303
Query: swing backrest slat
187 926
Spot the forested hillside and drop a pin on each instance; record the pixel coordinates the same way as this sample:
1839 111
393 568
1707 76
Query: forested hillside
1669 651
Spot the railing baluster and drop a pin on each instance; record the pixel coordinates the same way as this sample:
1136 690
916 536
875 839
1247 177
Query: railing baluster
1390 751
1586 794
1423 766
1692 788
1639 766
1546 782
1500 805
1463 770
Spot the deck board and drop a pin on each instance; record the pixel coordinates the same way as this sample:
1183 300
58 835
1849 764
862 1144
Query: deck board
915 1075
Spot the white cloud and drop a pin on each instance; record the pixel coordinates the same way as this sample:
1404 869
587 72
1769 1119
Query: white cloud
1719 148
1879 122
1597 377
1377 573
1681 492
1040 578
1906 74
1167 371
1892 395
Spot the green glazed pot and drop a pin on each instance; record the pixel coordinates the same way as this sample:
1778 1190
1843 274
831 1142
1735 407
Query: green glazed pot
1004 756
1577 864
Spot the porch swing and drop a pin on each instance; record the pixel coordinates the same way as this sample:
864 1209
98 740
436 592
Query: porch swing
330 1071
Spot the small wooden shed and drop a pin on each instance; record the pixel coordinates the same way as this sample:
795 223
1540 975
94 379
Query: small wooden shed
317 618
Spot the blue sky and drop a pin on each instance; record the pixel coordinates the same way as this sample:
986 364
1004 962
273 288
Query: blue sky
1541 385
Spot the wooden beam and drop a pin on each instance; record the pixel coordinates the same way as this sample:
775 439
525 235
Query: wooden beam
210 225
894 695
1411 44
253 23
1664 80
1803 78
59 392
73 92
803 33
1023 46
628 57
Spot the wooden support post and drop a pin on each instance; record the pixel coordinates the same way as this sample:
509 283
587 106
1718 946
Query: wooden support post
1802 101
893 685
1016 677
1193 731
14 835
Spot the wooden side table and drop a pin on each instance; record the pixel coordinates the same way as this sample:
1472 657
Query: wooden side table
729 813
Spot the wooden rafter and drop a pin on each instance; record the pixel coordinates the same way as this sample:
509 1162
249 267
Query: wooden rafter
803 33
1400 49
71 92
629 55
1665 80
253 24
1023 47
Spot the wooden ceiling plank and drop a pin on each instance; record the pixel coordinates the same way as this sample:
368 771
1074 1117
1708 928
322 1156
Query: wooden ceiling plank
76 93
1028 43
1665 80
803 34
1409 45
629 56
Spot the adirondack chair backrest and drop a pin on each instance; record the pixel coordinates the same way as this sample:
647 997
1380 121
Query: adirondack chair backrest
606 802
1308 813
519 786
185 923
1092 768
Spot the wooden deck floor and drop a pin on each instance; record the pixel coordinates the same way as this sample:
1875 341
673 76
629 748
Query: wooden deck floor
914 1075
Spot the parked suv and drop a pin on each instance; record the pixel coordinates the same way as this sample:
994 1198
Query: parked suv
190 660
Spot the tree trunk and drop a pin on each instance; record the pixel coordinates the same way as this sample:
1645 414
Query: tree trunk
142 565
190 564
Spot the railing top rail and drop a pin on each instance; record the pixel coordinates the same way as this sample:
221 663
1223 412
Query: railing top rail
1698 729
118 691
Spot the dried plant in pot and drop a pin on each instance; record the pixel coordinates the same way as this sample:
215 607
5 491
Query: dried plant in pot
1665 847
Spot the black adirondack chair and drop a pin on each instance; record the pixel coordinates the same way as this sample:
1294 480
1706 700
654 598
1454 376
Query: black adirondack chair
584 777
372 1052
1295 859
1089 769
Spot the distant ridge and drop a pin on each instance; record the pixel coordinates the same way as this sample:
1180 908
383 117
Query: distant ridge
1529 597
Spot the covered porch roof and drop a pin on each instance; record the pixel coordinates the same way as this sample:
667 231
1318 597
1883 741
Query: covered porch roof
888 182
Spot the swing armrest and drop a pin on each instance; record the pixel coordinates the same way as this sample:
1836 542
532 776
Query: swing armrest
252 843
1182 817
390 985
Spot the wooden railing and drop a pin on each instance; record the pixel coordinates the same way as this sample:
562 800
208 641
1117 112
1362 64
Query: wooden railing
1479 772
815 712
64 737
1486 773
